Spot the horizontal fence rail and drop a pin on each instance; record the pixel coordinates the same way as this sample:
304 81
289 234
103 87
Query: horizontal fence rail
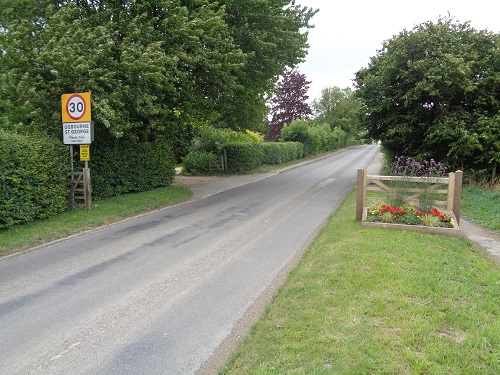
449 187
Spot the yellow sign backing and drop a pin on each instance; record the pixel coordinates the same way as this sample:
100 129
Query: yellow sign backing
76 107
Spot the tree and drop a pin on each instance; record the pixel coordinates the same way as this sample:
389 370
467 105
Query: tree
434 92
148 64
289 102
155 68
273 35
338 108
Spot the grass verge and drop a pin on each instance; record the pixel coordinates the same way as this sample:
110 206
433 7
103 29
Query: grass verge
77 220
482 207
380 302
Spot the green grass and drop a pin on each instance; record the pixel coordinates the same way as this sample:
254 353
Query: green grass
378 301
482 206
76 220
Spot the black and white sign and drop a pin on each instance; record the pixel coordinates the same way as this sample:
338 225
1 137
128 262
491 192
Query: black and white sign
75 133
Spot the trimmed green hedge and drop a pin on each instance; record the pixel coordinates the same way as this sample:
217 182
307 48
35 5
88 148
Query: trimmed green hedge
243 156
282 152
126 167
33 173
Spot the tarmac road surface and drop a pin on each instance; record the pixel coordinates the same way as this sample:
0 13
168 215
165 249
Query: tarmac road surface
159 293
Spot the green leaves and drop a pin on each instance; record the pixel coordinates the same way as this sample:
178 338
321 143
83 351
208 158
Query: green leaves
153 66
429 92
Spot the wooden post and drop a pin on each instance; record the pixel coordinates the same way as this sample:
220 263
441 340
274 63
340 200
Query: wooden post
451 191
360 194
87 189
457 199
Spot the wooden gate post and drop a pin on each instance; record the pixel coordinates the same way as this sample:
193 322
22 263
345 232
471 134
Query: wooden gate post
360 193
451 191
457 199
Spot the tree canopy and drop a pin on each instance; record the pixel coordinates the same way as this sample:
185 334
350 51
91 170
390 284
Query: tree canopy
154 67
434 92
338 108
289 102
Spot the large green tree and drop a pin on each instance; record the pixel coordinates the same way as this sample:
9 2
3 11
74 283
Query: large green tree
339 108
154 67
434 91
150 65
273 35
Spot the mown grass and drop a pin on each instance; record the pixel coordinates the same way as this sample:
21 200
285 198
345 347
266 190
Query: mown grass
378 301
482 206
77 220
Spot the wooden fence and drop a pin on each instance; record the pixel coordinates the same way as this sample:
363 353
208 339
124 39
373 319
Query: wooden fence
449 187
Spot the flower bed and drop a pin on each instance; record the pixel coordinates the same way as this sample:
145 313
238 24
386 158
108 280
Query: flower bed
408 217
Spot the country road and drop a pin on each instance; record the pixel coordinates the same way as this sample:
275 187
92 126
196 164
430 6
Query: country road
159 293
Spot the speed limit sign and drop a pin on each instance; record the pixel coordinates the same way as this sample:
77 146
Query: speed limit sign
76 107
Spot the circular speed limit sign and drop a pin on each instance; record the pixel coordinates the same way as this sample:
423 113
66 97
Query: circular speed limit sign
76 107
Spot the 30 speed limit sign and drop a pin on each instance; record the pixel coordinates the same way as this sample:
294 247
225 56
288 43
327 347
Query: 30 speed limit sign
76 107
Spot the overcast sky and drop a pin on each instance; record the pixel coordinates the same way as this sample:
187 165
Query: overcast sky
347 33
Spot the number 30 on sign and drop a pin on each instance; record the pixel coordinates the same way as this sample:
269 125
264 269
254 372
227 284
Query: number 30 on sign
76 107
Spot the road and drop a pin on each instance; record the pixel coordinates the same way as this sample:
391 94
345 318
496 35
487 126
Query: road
158 294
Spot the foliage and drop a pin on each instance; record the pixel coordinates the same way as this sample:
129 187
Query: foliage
434 92
409 216
281 152
405 166
209 139
198 161
289 103
273 36
244 156
316 138
156 69
33 173
256 136
126 167
339 108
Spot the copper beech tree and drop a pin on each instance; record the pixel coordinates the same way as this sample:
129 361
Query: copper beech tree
289 103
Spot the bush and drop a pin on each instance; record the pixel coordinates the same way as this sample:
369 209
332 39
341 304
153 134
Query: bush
281 152
213 140
317 138
198 161
33 173
126 167
244 156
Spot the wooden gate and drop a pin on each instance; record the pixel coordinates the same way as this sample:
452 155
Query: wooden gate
80 192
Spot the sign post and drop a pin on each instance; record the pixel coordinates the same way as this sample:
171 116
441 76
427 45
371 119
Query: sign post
78 129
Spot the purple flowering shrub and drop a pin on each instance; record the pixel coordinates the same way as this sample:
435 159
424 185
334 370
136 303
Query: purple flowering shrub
405 166
408 167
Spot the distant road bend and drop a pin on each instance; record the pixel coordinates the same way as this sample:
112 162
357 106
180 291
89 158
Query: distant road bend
159 293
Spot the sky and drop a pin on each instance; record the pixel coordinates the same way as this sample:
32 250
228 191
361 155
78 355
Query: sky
348 32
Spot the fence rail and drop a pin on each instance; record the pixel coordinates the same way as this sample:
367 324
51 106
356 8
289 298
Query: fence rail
434 185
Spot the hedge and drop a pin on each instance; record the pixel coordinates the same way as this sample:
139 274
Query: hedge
126 167
244 156
33 173
282 152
